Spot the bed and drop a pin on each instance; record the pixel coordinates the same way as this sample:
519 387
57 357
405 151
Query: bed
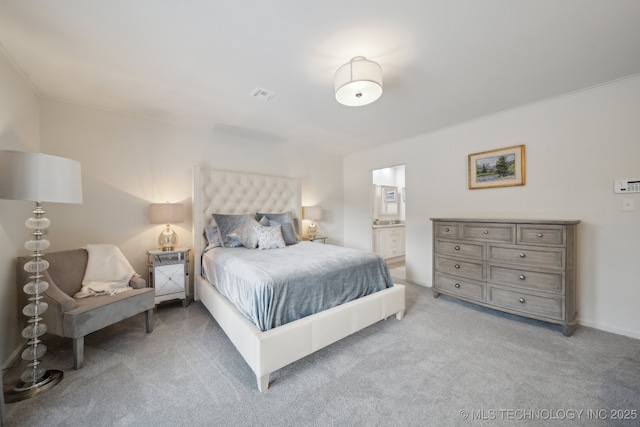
265 351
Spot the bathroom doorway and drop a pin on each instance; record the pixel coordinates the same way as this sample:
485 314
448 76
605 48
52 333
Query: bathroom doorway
388 207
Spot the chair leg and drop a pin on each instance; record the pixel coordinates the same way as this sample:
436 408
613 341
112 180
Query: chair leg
148 320
78 352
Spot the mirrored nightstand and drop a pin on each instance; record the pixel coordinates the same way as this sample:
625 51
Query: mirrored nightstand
320 239
169 274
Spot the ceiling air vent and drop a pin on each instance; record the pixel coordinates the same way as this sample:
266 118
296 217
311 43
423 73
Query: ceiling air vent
262 94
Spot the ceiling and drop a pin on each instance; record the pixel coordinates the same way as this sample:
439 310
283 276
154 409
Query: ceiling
196 62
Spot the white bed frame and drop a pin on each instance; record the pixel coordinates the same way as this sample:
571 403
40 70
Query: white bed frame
265 352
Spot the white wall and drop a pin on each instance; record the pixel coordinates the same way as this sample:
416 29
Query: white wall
19 130
129 162
575 147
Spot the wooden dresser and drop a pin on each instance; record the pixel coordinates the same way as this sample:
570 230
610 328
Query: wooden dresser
524 267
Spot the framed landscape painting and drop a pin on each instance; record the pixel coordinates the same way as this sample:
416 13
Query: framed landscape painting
503 167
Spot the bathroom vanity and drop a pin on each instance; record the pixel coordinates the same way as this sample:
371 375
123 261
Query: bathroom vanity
388 241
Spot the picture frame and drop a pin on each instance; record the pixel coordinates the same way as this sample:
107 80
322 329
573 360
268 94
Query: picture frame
503 167
390 196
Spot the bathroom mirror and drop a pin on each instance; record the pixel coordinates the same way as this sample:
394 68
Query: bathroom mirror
388 200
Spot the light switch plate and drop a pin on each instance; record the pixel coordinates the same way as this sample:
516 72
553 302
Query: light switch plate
627 205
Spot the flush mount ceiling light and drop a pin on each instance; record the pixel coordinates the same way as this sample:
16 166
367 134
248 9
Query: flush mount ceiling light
358 82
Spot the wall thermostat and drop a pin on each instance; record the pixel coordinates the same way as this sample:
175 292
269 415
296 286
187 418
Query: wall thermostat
626 186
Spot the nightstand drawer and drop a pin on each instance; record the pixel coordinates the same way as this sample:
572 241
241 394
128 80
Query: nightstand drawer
552 307
548 258
460 267
169 279
552 235
164 258
470 250
462 288
542 281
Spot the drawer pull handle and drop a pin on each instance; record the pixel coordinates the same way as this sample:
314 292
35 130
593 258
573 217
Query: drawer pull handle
457 266
522 277
457 285
457 248
522 300
446 230
539 235
486 231
522 255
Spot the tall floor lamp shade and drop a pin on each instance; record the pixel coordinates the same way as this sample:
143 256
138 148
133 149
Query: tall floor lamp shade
39 178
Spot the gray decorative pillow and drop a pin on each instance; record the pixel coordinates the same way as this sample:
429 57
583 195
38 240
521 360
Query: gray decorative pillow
269 237
290 236
246 234
212 236
226 224
264 221
288 233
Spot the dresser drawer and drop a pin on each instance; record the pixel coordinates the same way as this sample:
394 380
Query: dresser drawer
532 234
393 231
489 232
394 251
471 250
447 230
526 279
462 288
460 267
527 256
551 307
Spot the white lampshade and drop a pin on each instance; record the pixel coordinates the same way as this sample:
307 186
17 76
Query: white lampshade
166 213
311 212
39 177
358 82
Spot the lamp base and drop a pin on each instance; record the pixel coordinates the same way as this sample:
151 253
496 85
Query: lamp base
168 239
312 230
22 391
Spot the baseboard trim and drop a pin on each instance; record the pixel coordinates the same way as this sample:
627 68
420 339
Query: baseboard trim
606 328
13 360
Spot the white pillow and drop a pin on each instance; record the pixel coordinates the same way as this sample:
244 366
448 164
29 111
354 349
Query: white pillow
246 234
269 237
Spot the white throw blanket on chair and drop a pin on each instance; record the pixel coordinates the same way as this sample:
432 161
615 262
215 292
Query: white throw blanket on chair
108 272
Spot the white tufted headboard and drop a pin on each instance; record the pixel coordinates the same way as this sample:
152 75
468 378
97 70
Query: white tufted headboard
229 192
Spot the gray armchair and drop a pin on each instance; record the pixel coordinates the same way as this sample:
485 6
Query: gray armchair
76 318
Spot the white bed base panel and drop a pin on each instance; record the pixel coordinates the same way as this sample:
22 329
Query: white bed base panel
268 351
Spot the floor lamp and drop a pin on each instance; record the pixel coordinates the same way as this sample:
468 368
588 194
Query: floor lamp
39 178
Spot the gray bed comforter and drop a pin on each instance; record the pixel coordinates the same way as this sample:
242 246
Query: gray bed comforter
274 287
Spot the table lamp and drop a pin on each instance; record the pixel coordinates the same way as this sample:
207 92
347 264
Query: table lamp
312 213
167 213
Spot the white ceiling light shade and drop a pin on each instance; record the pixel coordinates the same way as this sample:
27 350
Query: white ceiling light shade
358 82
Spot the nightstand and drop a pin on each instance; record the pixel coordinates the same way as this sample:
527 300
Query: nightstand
169 274
321 239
